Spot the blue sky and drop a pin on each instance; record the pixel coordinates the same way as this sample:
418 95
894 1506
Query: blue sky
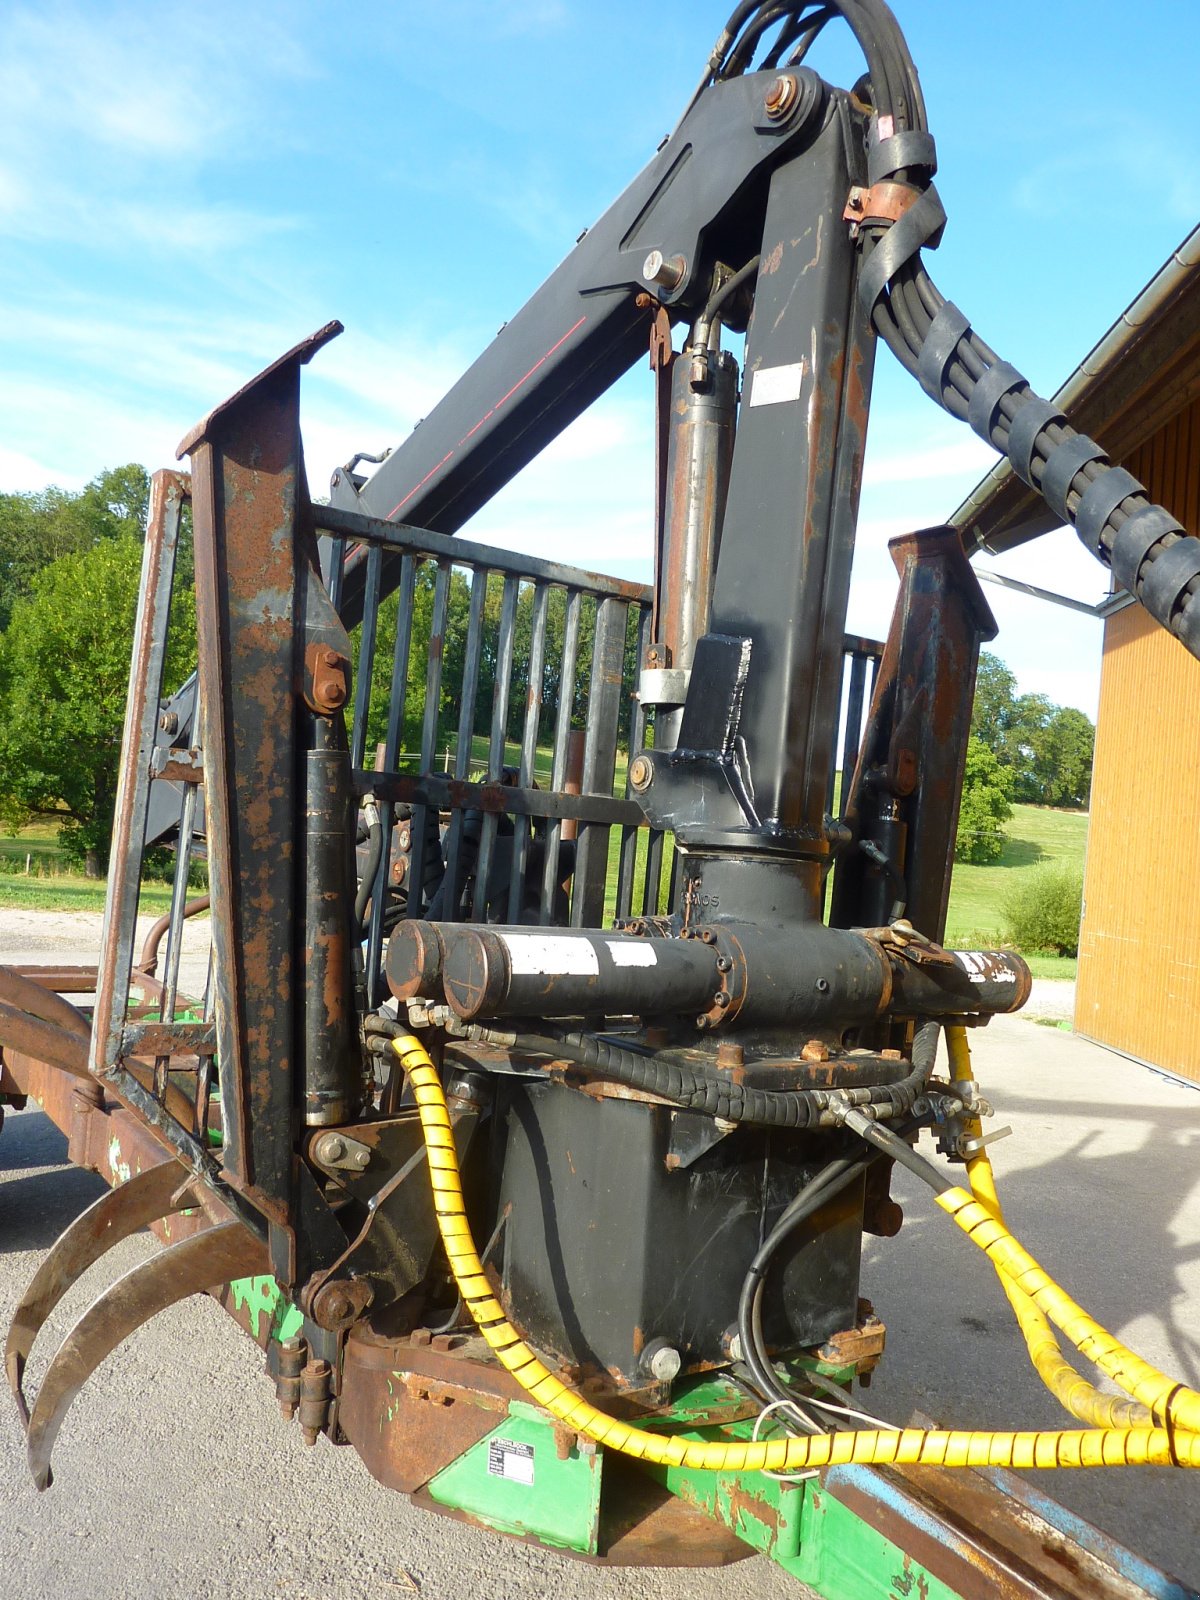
185 191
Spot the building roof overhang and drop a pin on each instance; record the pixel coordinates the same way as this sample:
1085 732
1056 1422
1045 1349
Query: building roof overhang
1143 372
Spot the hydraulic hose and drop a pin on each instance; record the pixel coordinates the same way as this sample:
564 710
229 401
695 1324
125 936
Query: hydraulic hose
827 1183
1150 553
1165 1397
1073 1391
1074 1448
370 871
697 1088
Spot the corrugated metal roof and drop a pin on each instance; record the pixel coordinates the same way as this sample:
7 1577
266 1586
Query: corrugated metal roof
1143 371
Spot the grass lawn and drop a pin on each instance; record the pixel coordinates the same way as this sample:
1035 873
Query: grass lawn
48 887
1037 836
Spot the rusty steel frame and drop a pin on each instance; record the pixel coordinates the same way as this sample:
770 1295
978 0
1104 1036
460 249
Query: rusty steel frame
908 765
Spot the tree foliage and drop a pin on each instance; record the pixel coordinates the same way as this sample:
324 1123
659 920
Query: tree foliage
1046 748
40 528
985 806
70 569
454 650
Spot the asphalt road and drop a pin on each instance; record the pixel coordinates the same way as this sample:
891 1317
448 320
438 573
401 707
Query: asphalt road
176 1477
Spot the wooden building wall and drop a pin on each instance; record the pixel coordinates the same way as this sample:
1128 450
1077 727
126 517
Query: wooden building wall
1139 951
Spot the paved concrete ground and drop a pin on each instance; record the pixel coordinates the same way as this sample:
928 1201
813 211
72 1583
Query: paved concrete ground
175 1476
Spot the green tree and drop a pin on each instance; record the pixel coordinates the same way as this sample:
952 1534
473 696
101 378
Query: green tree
985 806
40 528
64 672
995 698
1065 750
1046 748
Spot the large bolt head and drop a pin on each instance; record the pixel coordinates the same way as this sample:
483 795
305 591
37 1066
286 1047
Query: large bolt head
781 97
641 772
665 271
665 1364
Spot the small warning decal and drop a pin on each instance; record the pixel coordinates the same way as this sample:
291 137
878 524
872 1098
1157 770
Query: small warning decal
545 955
632 955
508 1459
983 966
774 386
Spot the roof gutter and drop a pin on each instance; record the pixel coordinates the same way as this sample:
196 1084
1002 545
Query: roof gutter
1001 503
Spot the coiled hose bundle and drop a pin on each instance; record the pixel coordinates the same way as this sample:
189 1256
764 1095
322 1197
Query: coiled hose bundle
1175 1440
699 1088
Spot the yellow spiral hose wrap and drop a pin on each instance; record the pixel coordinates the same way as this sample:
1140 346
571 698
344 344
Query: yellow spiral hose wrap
1101 1447
1073 1391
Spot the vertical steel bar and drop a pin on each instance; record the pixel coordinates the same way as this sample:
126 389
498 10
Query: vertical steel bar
562 738
854 717
533 713
168 491
398 692
466 730
600 758
627 863
397 699
183 861
496 745
366 659
415 903
652 887
337 572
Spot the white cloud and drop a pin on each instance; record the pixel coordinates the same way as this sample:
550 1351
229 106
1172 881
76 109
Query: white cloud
23 474
966 454
1113 153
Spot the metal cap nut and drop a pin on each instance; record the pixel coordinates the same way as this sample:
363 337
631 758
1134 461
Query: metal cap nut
666 271
641 773
781 97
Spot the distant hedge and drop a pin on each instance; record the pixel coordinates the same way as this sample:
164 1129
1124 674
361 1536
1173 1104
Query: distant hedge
1043 911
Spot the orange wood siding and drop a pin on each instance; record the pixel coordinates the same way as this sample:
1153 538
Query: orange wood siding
1139 967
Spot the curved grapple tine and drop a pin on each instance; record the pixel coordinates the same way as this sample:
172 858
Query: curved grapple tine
145 1198
203 1261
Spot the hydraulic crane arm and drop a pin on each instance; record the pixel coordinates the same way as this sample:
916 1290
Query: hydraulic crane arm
702 200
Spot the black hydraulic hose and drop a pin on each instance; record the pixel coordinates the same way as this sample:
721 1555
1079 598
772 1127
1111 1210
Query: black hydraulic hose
706 1090
728 288
829 1181
1150 553
889 1144
370 871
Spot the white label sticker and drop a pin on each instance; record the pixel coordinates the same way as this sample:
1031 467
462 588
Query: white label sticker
508 1459
543 955
983 967
772 386
640 954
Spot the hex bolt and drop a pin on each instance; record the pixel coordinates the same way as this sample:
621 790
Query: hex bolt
330 1147
721 999
781 97
641 773
665 271
665 1364
169 722
724 964
292 1355
338 1307
314 1399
